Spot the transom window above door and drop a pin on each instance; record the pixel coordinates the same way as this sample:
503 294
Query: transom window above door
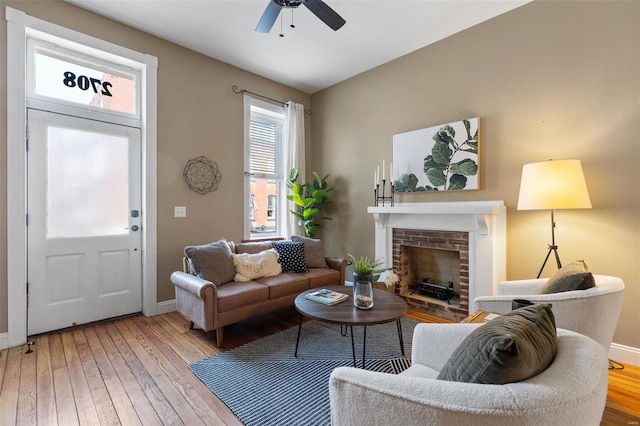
72 78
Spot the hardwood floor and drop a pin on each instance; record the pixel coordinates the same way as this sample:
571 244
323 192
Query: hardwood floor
134 371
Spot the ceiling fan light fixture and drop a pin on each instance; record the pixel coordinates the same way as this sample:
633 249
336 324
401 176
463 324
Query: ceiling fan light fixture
318 7
289 4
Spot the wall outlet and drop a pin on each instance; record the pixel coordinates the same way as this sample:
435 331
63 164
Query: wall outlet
179 211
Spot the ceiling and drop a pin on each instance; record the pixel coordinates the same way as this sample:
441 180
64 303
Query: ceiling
311 56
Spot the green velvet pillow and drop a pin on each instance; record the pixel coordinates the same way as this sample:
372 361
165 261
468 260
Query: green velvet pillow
313 251
212 261
513 347
574 276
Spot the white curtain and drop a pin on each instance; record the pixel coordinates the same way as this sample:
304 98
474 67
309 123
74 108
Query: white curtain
294 157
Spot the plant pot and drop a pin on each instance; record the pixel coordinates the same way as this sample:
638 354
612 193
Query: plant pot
358 277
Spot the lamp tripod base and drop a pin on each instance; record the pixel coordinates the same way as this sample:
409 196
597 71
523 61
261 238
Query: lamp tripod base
552 248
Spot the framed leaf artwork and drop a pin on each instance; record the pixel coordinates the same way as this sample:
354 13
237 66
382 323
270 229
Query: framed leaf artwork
439 158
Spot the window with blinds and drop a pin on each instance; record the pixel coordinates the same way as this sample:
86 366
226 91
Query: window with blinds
265 157
266 144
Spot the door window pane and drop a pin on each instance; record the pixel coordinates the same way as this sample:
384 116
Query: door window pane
87 183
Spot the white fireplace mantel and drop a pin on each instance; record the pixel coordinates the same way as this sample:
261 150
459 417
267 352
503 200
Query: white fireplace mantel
478 212
485 221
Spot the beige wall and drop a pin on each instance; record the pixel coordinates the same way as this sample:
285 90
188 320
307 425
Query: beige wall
198 114
548 80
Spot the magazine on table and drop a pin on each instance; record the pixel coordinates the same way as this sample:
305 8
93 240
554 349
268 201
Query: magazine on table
327 297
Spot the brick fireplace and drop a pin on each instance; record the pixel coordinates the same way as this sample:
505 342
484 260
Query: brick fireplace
446 254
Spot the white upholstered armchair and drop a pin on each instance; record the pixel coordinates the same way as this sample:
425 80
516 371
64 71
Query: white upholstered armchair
593 312
571 391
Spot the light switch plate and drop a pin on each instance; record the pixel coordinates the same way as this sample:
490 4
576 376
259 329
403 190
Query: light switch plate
179 211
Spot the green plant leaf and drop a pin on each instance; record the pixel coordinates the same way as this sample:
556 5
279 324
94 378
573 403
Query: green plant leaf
446 134
311 228
293 175
319 193
457 182
441 153
436 177
297 200
467 126
308 202
473 147
364 265
430 163
406 183
309 213
466 167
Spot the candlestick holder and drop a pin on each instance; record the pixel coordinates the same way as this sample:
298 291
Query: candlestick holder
382 197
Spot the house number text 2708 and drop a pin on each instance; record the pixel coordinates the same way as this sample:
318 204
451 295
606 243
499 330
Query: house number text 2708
84 83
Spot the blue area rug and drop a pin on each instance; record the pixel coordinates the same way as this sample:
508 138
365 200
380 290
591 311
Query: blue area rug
264 384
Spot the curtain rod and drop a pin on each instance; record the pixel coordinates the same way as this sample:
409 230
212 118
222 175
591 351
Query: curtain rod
243 91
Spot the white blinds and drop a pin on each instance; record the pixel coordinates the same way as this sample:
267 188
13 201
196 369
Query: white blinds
266 145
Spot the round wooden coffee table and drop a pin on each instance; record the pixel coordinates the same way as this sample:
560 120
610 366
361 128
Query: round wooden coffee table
387 307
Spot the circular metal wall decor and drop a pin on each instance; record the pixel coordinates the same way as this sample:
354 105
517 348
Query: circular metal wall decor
202 175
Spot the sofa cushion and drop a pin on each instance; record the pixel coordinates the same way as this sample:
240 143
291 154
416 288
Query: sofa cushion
286 284
212 261
513 347
236 295
322 277
250 266
574 276
291 256
313 251
252 247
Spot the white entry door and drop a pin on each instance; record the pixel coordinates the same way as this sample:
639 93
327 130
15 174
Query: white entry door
84 237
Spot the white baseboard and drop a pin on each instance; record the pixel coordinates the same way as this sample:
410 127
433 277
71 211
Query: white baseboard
166 307
4 341
624 354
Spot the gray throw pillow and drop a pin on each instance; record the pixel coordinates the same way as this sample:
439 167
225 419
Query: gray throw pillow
513 347
574 276
313 251
212 261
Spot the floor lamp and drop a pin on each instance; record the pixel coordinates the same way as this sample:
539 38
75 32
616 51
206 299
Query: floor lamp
553 185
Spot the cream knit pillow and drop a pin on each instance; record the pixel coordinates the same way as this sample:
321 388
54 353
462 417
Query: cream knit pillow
250 266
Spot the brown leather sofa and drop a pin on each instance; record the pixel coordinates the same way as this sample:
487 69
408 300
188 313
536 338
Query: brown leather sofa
211 306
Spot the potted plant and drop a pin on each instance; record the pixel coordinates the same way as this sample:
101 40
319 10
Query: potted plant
310 198
363 267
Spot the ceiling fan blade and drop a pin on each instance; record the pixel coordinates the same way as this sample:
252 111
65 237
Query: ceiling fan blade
268 17
325 13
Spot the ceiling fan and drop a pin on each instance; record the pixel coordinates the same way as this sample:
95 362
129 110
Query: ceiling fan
317 7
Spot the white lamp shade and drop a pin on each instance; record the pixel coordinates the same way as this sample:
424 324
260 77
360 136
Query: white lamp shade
552 185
